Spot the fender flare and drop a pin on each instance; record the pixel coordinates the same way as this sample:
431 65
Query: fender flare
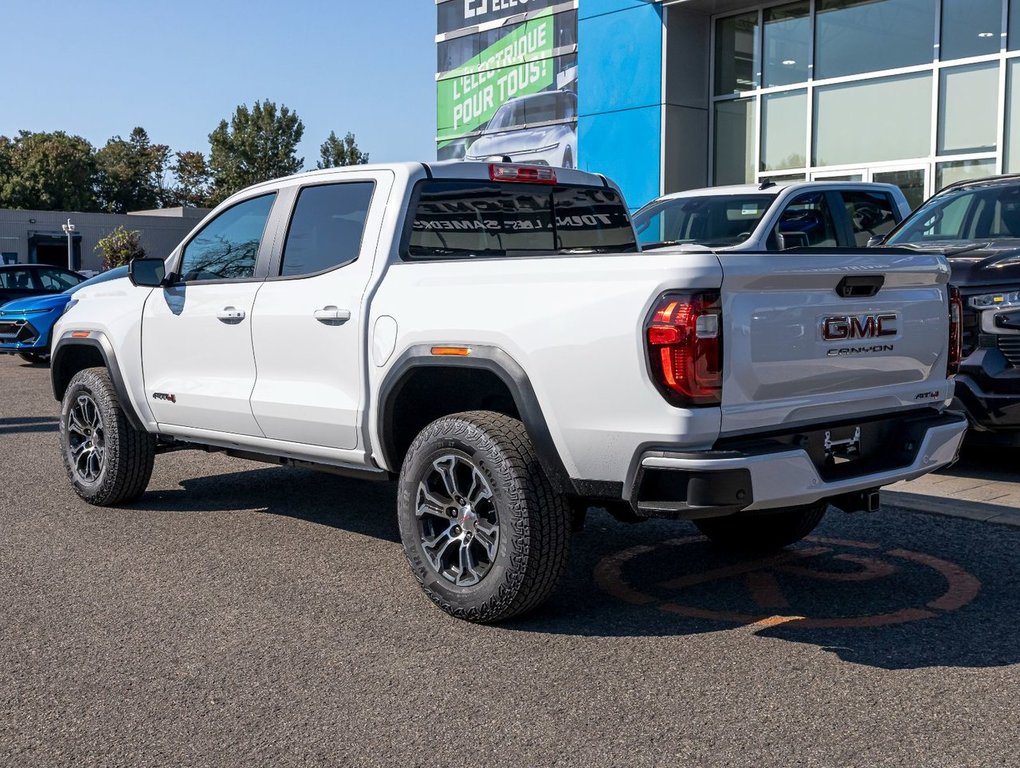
96 340
487 358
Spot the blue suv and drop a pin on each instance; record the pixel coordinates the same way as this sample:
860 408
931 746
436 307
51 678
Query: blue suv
25 324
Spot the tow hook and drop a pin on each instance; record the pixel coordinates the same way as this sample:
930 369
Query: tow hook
861 501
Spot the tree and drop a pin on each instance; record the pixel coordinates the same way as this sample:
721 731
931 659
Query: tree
335 152
130 173
120 246
192 180
47 171
257 145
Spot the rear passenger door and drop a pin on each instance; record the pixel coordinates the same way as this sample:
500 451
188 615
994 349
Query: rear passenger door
308 323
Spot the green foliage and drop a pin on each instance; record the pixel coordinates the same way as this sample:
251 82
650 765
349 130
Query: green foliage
193 180
130 173
120 246
335 152
257 145
57 171
48 172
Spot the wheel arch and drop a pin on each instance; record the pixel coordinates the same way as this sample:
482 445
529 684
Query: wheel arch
421 387
72 354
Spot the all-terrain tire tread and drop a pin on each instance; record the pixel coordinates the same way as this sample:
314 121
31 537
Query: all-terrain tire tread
540 516
130 453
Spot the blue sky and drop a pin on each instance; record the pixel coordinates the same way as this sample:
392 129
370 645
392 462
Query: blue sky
98 68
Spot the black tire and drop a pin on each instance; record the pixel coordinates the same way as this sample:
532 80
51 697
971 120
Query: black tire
523 521
107 461
35 358
763 531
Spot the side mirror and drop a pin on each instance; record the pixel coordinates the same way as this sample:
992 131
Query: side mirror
875 240
147 273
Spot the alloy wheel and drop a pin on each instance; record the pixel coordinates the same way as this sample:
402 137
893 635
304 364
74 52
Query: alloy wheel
86 439
458 524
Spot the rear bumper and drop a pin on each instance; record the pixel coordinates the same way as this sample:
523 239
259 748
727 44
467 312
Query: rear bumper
773 472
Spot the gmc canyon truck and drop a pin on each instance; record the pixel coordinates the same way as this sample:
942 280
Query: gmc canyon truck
492 336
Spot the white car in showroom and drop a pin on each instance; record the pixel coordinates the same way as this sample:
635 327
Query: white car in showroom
524 130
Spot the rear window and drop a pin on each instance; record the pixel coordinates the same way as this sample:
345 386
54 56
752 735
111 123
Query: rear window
482 219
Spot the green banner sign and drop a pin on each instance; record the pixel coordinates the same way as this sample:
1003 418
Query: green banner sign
519 64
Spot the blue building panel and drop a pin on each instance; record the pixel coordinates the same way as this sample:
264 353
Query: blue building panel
625 146
619 82
619 59
588 8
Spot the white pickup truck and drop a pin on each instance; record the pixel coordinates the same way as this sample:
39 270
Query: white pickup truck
492 335
773 216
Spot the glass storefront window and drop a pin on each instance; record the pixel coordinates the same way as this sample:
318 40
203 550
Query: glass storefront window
734 142
784 131
950 173
864 122
910 182
968 111
970 28
1011 154
855 36
787 53
736 54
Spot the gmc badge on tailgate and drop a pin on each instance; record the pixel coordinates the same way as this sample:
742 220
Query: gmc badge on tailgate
850 327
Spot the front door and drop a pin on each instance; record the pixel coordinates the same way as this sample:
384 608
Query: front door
197 357
308 326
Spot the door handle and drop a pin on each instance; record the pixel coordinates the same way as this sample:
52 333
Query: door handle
230 315
331 315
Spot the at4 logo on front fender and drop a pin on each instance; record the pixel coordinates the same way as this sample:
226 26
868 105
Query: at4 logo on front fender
168 396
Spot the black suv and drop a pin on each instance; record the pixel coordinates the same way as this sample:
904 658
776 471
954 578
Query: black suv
976 225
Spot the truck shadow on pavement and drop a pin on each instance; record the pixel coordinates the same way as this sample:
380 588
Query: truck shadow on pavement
896 590
358 506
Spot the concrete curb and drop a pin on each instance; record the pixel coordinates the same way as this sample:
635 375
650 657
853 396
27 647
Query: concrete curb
967 510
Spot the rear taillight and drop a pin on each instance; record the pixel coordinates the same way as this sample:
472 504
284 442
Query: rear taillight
955 331
535 174
684 339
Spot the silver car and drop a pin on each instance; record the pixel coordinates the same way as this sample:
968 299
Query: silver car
531 129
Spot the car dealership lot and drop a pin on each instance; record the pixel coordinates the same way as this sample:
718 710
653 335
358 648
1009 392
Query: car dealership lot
246 614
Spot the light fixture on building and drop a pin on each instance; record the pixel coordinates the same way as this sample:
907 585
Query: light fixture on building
986 34
789 62
69 229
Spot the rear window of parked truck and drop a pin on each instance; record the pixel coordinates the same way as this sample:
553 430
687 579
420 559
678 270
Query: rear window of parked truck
456 219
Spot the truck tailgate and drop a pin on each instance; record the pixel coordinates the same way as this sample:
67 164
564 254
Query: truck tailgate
808 337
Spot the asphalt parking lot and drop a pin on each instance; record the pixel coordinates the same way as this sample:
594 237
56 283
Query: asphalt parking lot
241 614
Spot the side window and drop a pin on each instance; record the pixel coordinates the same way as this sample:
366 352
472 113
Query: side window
807 222
16 279
326 229
228 247
52 280
870 214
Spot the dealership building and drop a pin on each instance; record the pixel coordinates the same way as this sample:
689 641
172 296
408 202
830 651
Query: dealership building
664 96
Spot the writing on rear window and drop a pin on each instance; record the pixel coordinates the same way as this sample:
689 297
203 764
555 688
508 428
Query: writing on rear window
469 219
